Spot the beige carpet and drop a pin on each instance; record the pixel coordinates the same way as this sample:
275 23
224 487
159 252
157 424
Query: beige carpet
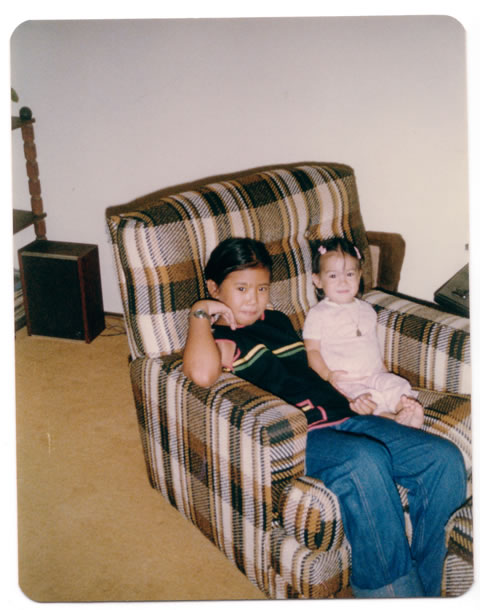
90 526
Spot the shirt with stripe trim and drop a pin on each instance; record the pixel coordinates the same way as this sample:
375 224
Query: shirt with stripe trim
270 355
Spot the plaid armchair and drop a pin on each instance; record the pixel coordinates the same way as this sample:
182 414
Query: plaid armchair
230 457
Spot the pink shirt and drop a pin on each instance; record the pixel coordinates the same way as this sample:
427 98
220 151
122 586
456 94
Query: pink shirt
342 347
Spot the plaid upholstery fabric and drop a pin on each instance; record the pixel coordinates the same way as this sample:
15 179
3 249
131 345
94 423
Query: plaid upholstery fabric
309 513
458 566
428 347
448 415
299 572
230 458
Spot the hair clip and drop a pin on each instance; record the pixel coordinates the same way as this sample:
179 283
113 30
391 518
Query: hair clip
322 250
359 256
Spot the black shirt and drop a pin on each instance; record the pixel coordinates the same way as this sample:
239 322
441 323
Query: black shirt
270 355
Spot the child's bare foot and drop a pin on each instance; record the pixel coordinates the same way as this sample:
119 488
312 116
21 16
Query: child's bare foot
409 412
363 404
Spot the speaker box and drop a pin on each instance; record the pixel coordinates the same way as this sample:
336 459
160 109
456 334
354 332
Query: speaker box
62 291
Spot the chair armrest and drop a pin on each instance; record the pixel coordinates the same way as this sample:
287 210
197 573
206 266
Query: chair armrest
242 443
449 416
310 513
387 251
458 573
426 346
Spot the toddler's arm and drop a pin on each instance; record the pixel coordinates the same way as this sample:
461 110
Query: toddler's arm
318 364
315 358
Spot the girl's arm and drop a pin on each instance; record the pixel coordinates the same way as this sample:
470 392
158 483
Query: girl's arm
202 359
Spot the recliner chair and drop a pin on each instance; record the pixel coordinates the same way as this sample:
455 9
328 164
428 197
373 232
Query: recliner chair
230 458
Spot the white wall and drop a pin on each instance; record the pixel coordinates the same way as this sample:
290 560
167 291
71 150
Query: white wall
127 107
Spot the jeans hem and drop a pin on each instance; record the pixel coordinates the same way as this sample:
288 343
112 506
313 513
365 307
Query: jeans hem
408 585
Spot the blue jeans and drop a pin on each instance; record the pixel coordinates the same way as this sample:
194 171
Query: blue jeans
361 460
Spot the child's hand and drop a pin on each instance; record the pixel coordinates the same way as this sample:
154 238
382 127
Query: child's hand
215 310
335 376
363 404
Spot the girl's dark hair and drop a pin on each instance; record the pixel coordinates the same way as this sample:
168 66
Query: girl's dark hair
235 254
334 244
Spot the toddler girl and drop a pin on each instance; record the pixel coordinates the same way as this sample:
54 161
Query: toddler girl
340 335
360 458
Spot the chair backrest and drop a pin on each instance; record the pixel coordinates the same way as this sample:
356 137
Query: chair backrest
161 247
